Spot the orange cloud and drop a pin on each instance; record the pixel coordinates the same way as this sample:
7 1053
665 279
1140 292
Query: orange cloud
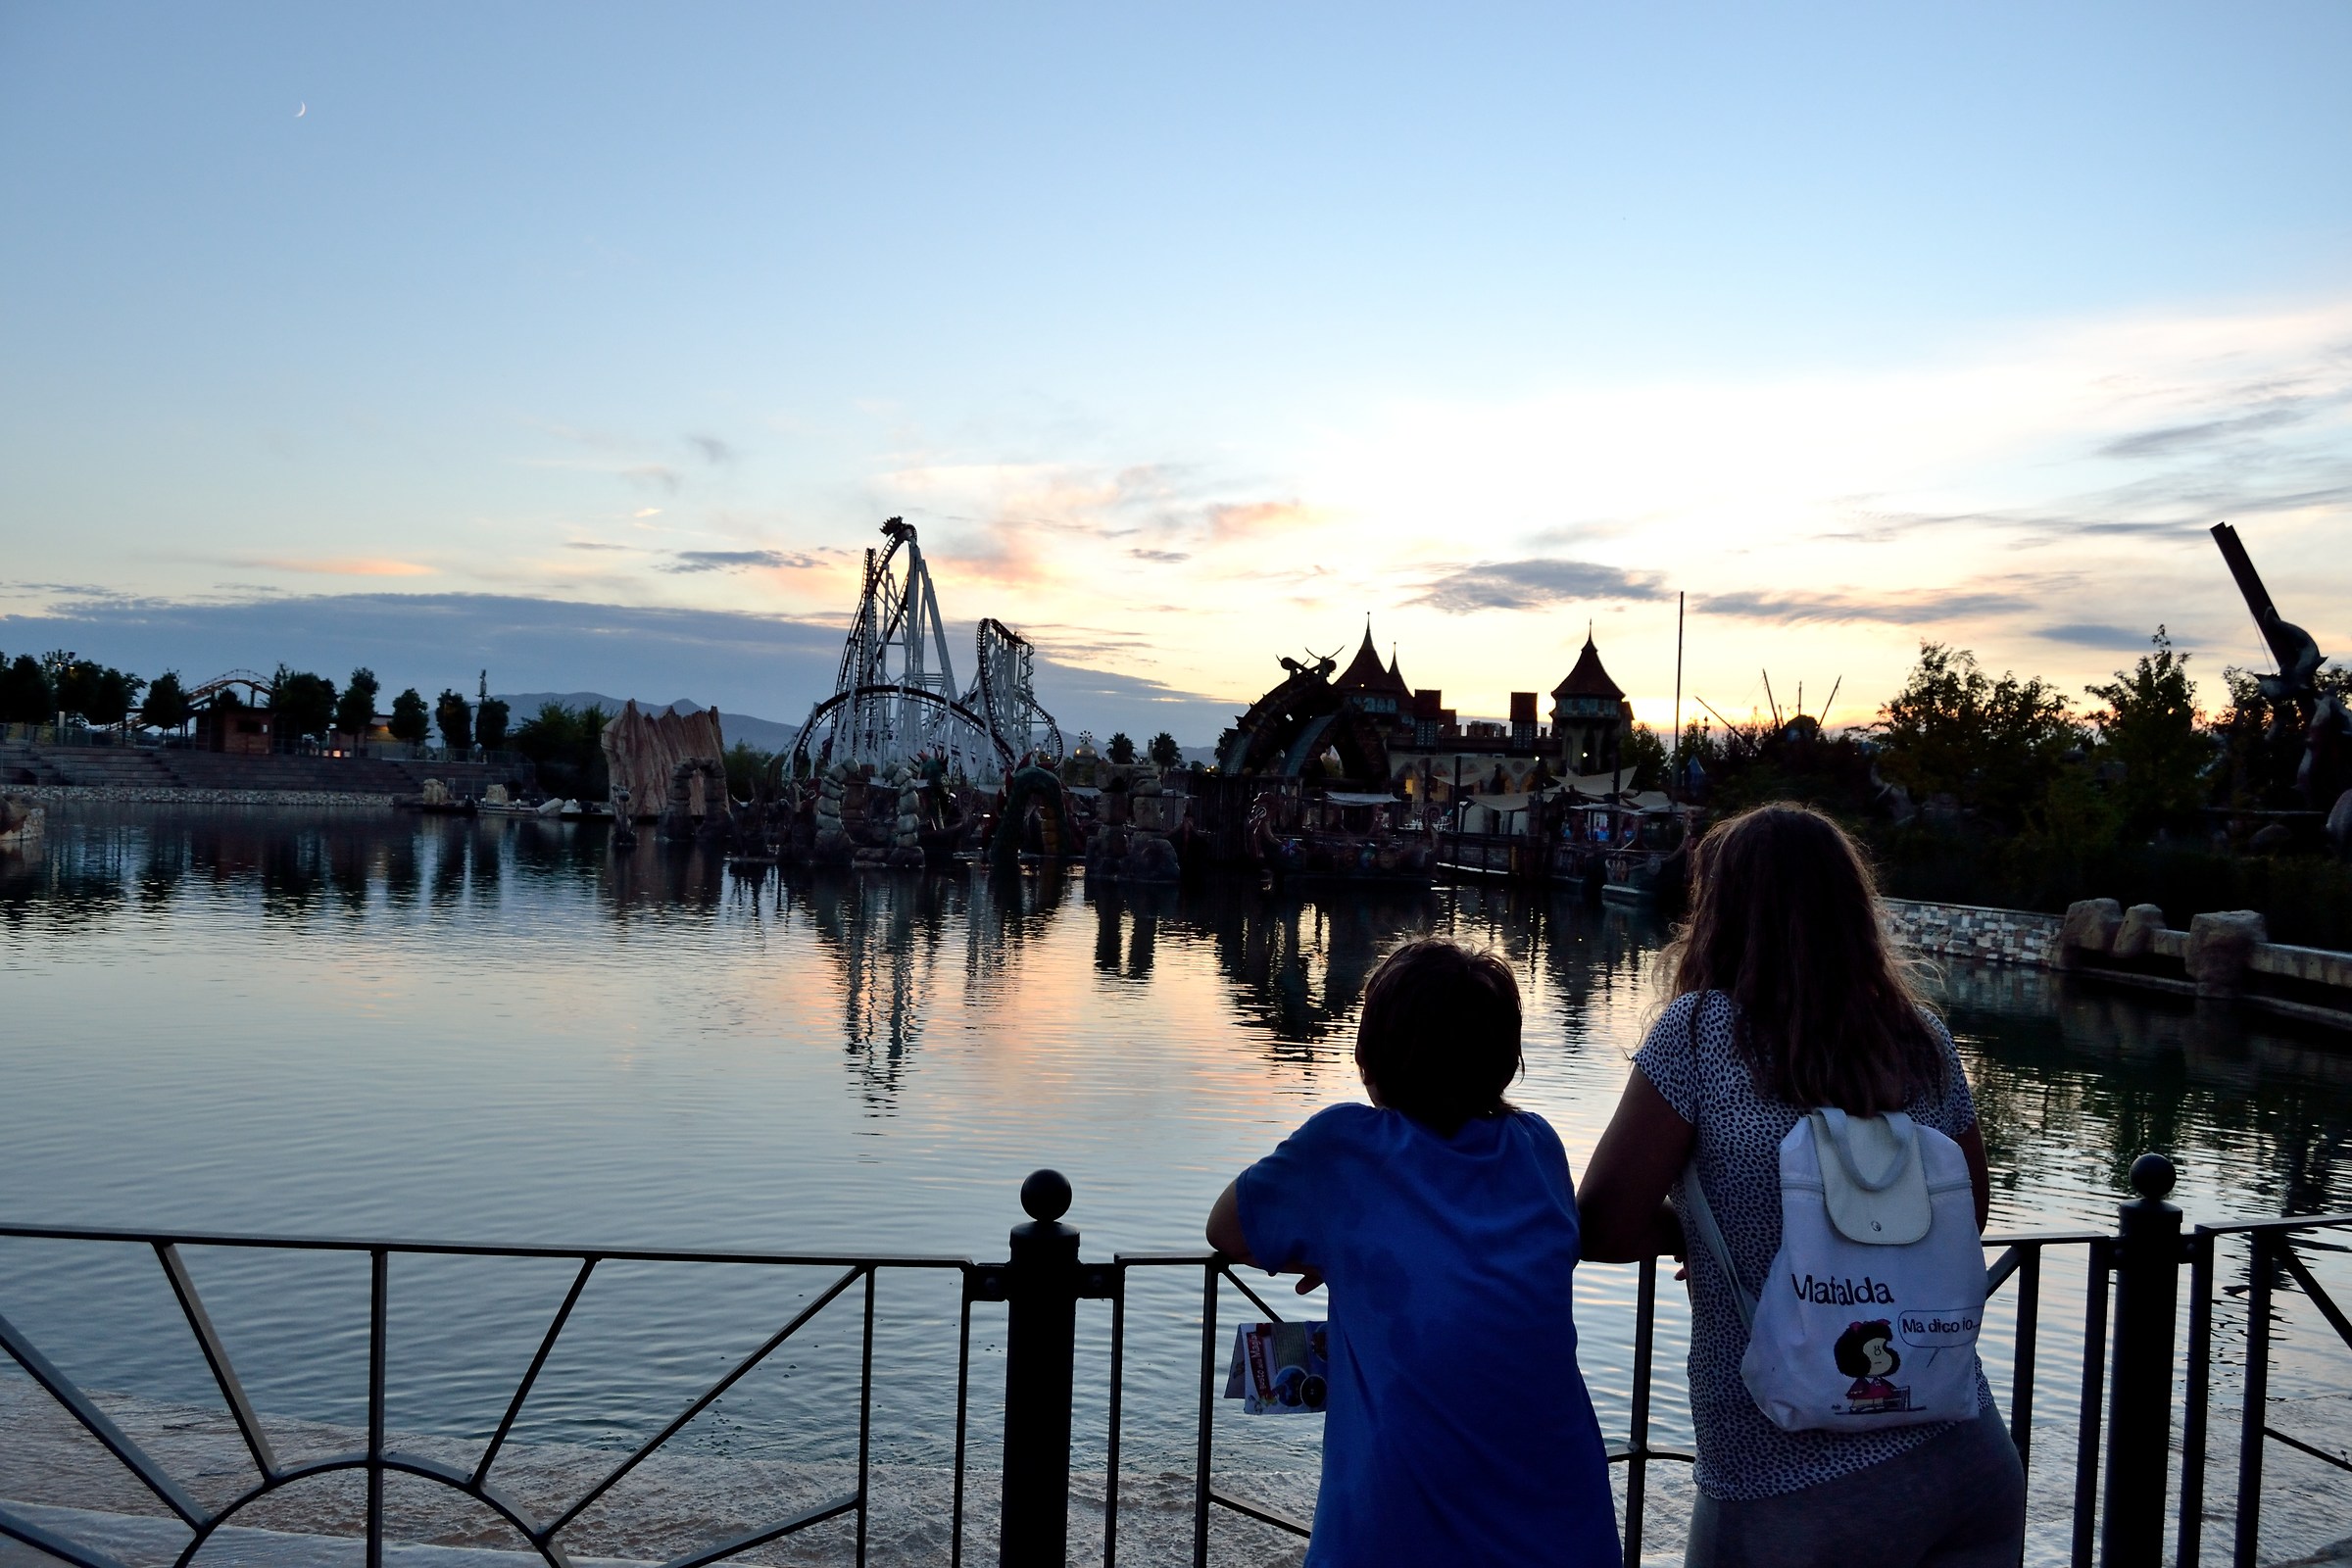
1253 519
345 566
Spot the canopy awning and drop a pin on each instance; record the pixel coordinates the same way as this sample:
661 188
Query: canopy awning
1358 797
1518 801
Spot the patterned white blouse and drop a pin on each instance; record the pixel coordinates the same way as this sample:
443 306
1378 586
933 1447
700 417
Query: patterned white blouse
1690 1056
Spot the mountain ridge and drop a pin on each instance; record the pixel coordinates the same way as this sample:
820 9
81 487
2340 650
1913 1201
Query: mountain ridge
761 734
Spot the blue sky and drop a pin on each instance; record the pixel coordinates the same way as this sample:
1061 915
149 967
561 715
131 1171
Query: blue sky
1186 338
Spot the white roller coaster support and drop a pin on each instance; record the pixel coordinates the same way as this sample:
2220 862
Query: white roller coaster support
895 696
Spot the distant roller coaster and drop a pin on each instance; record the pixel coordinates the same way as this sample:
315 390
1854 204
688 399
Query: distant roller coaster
895 696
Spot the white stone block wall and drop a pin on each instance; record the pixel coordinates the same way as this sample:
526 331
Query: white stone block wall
1973 932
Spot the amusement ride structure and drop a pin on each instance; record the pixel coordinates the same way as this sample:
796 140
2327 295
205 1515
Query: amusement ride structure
894 698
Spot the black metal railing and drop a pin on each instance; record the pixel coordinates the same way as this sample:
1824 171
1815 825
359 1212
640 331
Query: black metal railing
2125 1386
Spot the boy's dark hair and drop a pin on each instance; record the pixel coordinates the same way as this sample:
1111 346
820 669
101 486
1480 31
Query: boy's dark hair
1849 1349
1440 1034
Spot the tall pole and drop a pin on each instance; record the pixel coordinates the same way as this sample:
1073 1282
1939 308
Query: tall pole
1678 692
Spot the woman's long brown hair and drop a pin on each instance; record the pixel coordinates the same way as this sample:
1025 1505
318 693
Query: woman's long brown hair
1784 920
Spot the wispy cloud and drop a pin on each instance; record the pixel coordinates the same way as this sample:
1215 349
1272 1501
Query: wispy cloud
1250 519
712 449
2174 439
70 590
690 561
1167 558
341 565
654 475
2092 634
1896 607
1534 584
592 543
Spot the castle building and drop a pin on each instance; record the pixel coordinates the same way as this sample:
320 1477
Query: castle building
1368 725
1373 688
1589 715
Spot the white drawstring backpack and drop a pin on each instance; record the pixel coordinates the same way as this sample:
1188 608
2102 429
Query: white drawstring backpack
1870 1313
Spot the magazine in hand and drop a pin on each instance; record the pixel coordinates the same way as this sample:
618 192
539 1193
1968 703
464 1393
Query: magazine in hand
1280 1368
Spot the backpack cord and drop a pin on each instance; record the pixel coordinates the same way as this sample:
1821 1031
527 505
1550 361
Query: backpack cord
1702 1215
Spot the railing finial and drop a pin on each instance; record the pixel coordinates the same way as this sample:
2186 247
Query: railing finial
2152 1177
1046 1195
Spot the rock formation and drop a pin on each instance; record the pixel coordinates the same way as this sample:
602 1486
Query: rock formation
642 754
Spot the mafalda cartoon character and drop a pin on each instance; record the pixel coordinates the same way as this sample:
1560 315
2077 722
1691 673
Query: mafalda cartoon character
1866 1353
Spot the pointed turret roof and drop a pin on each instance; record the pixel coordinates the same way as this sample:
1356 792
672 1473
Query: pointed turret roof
1366 673
1588 679
1395 679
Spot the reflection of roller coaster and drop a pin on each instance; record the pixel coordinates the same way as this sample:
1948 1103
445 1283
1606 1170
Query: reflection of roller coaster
895 696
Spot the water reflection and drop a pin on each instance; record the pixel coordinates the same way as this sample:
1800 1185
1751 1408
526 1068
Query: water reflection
883 935
2067 1070
2073 1081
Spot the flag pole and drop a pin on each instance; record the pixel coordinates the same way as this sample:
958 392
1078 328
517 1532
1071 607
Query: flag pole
1677 693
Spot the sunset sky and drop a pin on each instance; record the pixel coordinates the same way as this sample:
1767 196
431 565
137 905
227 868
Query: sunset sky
592 343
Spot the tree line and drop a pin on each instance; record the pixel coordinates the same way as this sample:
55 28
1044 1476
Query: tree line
2007 790
63 687
2016 755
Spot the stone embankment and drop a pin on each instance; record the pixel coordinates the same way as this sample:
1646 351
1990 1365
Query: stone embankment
168 795
1972 931
2223 955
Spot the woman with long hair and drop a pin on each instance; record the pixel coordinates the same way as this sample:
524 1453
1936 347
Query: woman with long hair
1787 998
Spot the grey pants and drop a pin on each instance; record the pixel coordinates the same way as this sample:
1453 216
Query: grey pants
1957 1501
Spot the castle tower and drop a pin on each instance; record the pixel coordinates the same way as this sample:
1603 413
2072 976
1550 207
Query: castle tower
1589 715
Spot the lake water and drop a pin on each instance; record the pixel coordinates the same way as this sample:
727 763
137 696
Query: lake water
360 1023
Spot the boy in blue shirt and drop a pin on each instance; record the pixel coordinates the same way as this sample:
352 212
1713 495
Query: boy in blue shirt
1443 1218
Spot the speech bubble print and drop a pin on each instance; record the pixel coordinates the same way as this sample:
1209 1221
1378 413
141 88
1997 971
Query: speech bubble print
1940 1330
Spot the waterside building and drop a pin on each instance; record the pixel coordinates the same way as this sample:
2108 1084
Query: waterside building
1368 728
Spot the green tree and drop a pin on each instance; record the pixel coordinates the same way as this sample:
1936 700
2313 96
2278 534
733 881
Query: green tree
1164 751
25 694
546 734
1994 746
490 723
745 765
409 717
354 710
2148 729
74 684
166 704
1645 759
110 696
453 716
568 748
1120 750
304 704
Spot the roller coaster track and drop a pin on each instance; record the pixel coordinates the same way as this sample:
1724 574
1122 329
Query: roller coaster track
894 694
260 685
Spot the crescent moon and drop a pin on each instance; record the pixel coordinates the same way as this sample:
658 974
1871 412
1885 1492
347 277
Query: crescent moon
302 109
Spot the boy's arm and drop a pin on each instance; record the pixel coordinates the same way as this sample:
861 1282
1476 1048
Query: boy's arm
1225 1225
1225 1235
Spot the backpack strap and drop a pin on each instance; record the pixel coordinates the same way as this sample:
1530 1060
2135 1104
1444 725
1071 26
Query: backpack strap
1830 1127
1710 1237
1694 1195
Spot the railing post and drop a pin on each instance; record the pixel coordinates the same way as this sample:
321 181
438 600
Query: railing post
1040 1290
2140 1424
